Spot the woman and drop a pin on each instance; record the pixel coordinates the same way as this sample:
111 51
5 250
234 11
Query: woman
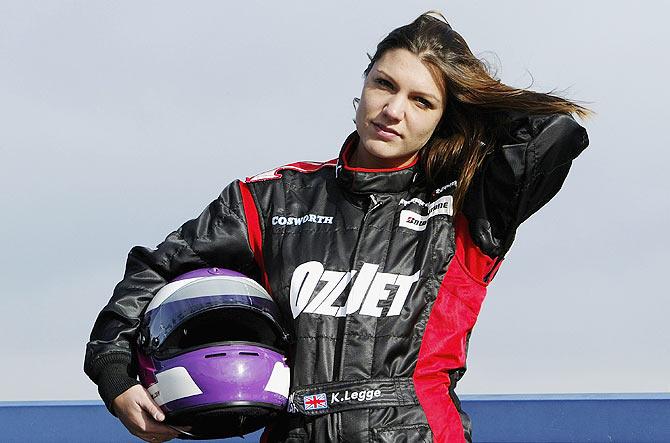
379 259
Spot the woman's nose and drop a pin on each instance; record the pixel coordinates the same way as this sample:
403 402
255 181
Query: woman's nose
394 109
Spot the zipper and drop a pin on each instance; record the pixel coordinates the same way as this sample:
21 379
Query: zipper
375 203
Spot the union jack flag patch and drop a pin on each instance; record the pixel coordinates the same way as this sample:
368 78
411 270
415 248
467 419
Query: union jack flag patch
317 401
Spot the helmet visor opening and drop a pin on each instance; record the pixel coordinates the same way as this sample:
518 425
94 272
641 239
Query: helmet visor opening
222 325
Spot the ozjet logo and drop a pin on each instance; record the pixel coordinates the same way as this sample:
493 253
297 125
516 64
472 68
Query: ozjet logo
369 287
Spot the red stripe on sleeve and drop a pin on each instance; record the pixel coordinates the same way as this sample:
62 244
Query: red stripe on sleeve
443 346
254 231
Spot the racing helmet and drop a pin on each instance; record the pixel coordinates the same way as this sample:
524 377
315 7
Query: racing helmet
211 352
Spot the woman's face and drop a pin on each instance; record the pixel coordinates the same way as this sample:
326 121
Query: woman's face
401 104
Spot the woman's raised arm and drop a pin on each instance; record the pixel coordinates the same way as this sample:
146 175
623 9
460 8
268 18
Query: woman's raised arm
520 177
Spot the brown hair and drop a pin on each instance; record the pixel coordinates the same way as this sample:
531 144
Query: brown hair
477 103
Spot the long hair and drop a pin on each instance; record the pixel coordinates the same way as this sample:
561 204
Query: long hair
477 104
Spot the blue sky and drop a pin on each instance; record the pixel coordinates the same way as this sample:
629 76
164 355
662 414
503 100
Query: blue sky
122 120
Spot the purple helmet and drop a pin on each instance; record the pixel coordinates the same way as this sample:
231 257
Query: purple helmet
212 353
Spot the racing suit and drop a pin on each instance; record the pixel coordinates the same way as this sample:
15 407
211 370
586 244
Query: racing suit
378 281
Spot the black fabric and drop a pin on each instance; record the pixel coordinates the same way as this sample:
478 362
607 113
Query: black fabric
354 261
365 182
114 377
223 326
223 420
520 176
454 377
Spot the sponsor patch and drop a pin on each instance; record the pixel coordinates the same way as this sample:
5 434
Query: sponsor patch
415 200
414 220
445 187
315 402
297 221
175 383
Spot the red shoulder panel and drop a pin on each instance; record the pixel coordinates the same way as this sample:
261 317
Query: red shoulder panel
254 232
305 167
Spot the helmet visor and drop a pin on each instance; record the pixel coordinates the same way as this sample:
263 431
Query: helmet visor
212 310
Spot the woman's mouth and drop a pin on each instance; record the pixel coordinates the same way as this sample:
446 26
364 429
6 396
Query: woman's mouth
384 132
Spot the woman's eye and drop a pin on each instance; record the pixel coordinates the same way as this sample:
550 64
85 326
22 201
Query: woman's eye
424 103
384 83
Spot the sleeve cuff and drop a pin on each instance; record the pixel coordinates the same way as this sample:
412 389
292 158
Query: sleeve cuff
113 379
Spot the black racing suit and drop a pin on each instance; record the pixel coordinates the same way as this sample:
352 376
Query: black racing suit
378 281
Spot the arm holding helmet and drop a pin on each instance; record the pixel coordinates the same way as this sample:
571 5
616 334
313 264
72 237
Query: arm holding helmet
218 237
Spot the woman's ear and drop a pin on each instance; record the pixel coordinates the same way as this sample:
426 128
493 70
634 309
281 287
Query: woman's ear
355 103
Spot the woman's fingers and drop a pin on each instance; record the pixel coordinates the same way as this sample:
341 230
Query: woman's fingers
141 416
147 403
151 418
153 431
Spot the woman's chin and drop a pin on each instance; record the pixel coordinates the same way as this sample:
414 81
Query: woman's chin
385 160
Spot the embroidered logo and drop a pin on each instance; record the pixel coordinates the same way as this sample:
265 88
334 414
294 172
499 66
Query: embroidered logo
361 396
297 221
445 187
315 402
415 200
417 222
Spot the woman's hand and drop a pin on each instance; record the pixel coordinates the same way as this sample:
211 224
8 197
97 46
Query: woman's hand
141 415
